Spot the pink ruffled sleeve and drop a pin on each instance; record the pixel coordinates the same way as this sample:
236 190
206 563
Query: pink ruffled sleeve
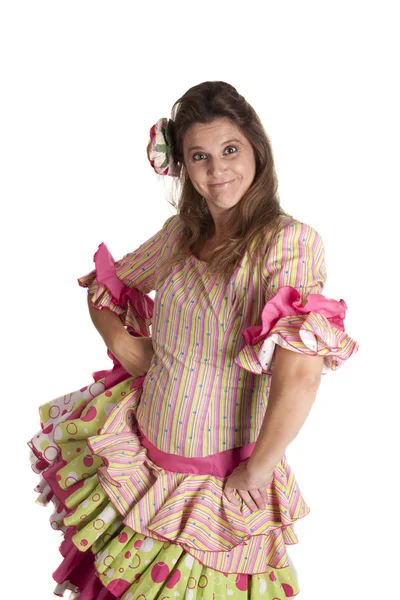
296 315
122 286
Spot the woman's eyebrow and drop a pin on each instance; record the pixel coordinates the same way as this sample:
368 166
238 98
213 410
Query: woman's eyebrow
222 144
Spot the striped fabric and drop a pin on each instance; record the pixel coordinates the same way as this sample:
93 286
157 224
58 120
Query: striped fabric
308 334
203 393
136 271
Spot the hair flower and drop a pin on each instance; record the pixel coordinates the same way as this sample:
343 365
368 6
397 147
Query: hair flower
159 148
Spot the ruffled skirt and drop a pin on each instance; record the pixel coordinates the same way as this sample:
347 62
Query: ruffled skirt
137 531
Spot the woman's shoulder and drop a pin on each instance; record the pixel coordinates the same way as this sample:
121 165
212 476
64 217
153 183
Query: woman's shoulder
173 225
292 230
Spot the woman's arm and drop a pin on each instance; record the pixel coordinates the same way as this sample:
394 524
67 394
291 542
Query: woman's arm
294 386
305 330
134 353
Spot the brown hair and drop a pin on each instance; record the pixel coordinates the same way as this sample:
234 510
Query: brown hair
257 213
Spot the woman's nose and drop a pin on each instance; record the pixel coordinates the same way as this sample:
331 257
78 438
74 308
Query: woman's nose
216 167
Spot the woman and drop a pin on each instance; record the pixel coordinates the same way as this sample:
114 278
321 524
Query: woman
168 472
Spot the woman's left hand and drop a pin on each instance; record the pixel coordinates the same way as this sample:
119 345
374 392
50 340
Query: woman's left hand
250 485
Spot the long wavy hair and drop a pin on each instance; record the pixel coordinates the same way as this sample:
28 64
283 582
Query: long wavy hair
258 213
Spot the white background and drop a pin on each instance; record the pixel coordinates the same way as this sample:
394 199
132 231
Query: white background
82 83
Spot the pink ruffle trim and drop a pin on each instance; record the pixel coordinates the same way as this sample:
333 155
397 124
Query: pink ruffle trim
315 328
287 302
105 274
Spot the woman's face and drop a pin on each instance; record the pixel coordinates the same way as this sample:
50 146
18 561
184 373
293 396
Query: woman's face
220 162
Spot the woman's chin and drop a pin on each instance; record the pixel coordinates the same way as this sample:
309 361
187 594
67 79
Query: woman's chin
224 203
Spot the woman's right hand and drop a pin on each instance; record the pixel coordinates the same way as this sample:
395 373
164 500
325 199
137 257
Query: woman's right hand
134 353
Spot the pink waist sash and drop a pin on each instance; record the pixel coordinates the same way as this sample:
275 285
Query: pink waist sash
220 464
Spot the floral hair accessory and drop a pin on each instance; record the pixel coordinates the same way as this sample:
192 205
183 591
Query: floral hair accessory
159 148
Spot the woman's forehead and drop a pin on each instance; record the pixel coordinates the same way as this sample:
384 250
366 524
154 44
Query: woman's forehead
216 131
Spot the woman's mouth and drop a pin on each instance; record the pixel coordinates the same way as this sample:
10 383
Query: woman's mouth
223 184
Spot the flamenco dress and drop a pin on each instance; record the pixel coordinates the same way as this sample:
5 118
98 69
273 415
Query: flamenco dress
135 466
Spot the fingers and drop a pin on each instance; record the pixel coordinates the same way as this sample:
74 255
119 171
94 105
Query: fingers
248 500
255 499
261 499
264 496
228 491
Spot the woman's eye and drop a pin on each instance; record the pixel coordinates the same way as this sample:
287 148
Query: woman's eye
196 156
